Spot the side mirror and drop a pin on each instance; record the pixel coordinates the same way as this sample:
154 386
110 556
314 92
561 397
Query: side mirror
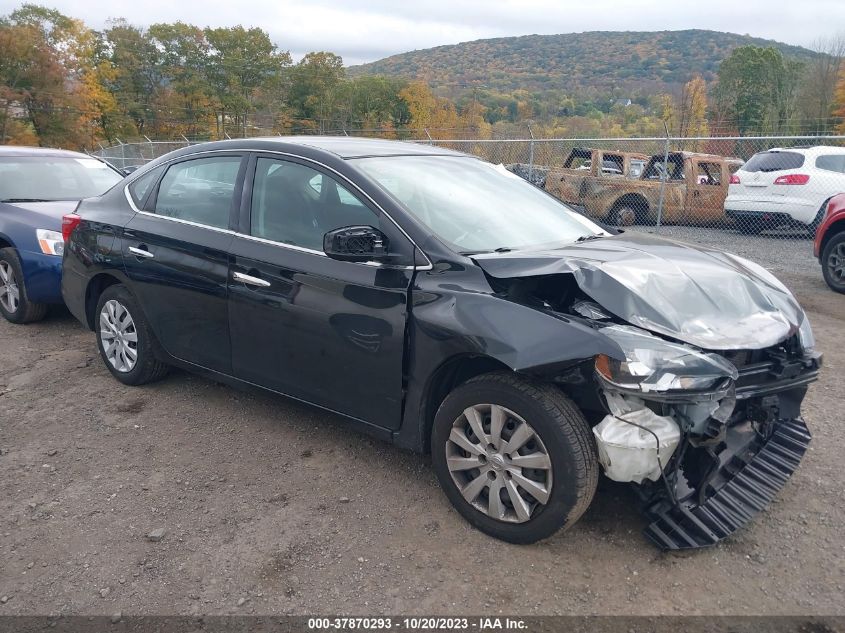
355 244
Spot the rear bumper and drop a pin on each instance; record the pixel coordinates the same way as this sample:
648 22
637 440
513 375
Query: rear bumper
751 473
798 210
42 276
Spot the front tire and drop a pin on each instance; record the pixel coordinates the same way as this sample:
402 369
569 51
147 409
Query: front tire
515 457
833 262
14 301
124 338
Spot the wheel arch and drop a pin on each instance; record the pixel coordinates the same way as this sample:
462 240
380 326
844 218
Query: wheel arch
93 291
832 231
450 374
6 242
637 201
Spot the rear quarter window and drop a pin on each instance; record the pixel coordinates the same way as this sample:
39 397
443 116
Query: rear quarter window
774 161
832 162
139 188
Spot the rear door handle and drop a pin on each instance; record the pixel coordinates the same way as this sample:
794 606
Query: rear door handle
141 252
249 280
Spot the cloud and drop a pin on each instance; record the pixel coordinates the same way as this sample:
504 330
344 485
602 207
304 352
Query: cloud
372 29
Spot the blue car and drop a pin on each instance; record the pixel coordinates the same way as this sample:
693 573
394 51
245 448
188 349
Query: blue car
37 187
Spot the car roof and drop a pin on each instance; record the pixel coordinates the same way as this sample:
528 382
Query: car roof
20 150
807 150
340 146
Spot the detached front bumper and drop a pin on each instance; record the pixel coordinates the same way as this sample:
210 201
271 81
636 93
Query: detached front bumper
751 472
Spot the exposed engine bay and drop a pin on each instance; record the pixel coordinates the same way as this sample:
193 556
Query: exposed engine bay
701 408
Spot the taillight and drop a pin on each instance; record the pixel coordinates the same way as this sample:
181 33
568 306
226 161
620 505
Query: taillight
69 222
734 179
792 179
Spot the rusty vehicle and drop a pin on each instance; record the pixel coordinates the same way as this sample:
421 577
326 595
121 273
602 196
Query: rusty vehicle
585 165
696 186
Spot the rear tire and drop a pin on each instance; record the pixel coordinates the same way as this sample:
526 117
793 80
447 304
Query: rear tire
14 301
124 338
833 262
624 215
748 226
558 460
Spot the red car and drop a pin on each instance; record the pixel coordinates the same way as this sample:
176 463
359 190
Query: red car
829 246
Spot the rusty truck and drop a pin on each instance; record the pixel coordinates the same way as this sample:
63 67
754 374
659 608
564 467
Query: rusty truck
695 189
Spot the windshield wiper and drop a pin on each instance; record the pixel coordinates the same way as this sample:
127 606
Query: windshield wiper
587 238
25 200
501 249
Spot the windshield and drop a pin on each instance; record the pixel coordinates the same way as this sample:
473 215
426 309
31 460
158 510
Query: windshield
476 207
37 178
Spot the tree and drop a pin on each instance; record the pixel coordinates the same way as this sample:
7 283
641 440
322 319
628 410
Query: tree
138 76
693 109
183 52
839 102
240 62
757 90
818 93
313 88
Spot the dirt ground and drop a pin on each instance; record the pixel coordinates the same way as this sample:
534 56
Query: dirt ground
272 507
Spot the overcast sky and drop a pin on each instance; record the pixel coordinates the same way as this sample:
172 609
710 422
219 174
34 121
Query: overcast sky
367 30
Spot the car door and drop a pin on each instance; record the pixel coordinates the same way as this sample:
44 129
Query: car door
175 253
706 191
325 331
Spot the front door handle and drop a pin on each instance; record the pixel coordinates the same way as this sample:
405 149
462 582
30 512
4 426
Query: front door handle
140 252
249 280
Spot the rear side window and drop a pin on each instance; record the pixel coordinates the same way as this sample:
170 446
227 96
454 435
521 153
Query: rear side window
139 188
199 190
774 161
832 162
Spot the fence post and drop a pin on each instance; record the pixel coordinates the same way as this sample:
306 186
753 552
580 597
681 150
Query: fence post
430 142
122 154
530 155
663 176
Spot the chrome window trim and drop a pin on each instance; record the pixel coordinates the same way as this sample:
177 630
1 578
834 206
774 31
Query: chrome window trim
132 205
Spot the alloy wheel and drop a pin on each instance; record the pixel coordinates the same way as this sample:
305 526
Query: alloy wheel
499 463
836 263
10 294
118 336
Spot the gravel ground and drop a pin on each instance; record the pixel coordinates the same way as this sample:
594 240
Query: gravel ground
267 506
781 251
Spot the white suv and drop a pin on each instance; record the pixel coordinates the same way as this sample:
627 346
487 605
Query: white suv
785 187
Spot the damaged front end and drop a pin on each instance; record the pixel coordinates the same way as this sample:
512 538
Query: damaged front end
702 404
710 438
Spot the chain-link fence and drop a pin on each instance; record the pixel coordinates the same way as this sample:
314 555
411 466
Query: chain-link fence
759 197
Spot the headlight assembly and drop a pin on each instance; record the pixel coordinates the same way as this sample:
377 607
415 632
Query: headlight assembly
51 242
805 336
654 365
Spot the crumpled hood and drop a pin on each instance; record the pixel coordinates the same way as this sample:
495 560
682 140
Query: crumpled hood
704 297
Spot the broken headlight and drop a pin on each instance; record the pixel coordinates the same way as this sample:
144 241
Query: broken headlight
805 335
653 364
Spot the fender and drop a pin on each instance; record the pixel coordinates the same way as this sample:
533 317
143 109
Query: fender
468 320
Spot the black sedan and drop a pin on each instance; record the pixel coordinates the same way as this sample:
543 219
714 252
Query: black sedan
444 304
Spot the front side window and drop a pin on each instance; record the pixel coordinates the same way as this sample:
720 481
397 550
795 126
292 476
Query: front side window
297 205
199 190
474 206
54 178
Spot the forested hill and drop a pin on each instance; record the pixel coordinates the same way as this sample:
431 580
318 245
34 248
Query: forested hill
595 62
